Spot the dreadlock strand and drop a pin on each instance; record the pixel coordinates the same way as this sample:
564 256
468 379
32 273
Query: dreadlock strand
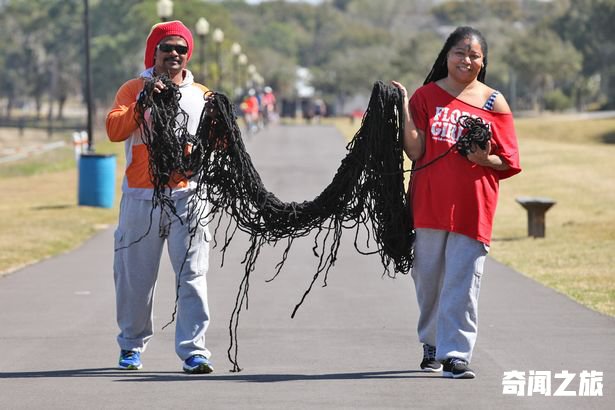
366 190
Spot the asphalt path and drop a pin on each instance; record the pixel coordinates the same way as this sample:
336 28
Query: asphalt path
351 345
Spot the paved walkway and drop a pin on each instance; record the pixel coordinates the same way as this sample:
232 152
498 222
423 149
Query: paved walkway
351 345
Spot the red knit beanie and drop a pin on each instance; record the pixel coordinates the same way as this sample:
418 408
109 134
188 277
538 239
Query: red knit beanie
162 30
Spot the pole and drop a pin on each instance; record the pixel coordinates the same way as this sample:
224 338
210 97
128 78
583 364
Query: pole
513 89
202 59
219 62
88 76
235 74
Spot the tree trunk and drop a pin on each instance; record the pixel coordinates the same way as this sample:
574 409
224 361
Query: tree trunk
50 119
9 107
605 80
38 102
61 103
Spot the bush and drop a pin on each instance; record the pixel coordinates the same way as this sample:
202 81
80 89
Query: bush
556 100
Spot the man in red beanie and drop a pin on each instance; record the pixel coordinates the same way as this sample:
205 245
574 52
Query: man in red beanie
138 248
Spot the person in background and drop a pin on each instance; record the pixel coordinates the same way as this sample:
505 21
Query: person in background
453 200
169 46
268 106
320 109
250 107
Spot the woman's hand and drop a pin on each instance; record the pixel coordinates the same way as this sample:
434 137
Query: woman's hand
414 140
484 158
480 156
404 92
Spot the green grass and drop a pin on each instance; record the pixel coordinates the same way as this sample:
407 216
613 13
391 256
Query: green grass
569 162
52 161
42 218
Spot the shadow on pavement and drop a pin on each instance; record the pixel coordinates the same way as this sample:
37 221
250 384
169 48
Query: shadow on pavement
144 376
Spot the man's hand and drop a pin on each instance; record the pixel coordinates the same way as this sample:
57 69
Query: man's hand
159 87
211 109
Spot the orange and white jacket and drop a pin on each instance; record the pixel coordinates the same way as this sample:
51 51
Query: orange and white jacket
122 126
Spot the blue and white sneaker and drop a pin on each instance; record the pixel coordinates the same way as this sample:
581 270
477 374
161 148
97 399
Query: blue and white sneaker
130 360
198 364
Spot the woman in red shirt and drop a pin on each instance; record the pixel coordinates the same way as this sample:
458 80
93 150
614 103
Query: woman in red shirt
454 198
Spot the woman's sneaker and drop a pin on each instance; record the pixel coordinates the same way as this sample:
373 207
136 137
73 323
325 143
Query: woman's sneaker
457 369
429 363
130 360
198 364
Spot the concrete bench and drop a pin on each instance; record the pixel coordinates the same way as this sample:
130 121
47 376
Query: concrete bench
536 208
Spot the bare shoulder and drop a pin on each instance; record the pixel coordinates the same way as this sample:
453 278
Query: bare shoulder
500 104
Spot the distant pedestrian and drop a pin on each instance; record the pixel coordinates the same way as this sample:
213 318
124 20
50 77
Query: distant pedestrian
453 200
307 110
268 106
137 256
320 109
250 108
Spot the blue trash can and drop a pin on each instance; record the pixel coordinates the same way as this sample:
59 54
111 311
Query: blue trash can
97 180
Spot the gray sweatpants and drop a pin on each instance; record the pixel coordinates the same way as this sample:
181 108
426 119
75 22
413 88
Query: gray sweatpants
136 264
447 272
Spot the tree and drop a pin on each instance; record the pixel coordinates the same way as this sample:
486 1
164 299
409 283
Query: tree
64 48
456 12
588 24
542 62
337 81
344 43
24 57
278 70
415 59
118 32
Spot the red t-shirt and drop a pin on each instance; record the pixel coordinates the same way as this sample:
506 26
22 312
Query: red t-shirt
251 105
454 194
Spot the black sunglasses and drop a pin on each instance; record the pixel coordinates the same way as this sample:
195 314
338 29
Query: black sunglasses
167 48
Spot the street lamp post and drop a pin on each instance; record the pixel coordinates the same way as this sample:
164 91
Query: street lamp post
235 51
242 60
218 37
164 8
202 29
258 80
251 72
88 75
96 182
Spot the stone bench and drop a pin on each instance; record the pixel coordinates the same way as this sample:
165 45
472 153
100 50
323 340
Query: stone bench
536 208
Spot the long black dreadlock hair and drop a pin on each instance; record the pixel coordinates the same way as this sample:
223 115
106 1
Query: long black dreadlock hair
440 68
366 193
163 125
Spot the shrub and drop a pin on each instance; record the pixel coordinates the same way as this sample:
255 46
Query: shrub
556 100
